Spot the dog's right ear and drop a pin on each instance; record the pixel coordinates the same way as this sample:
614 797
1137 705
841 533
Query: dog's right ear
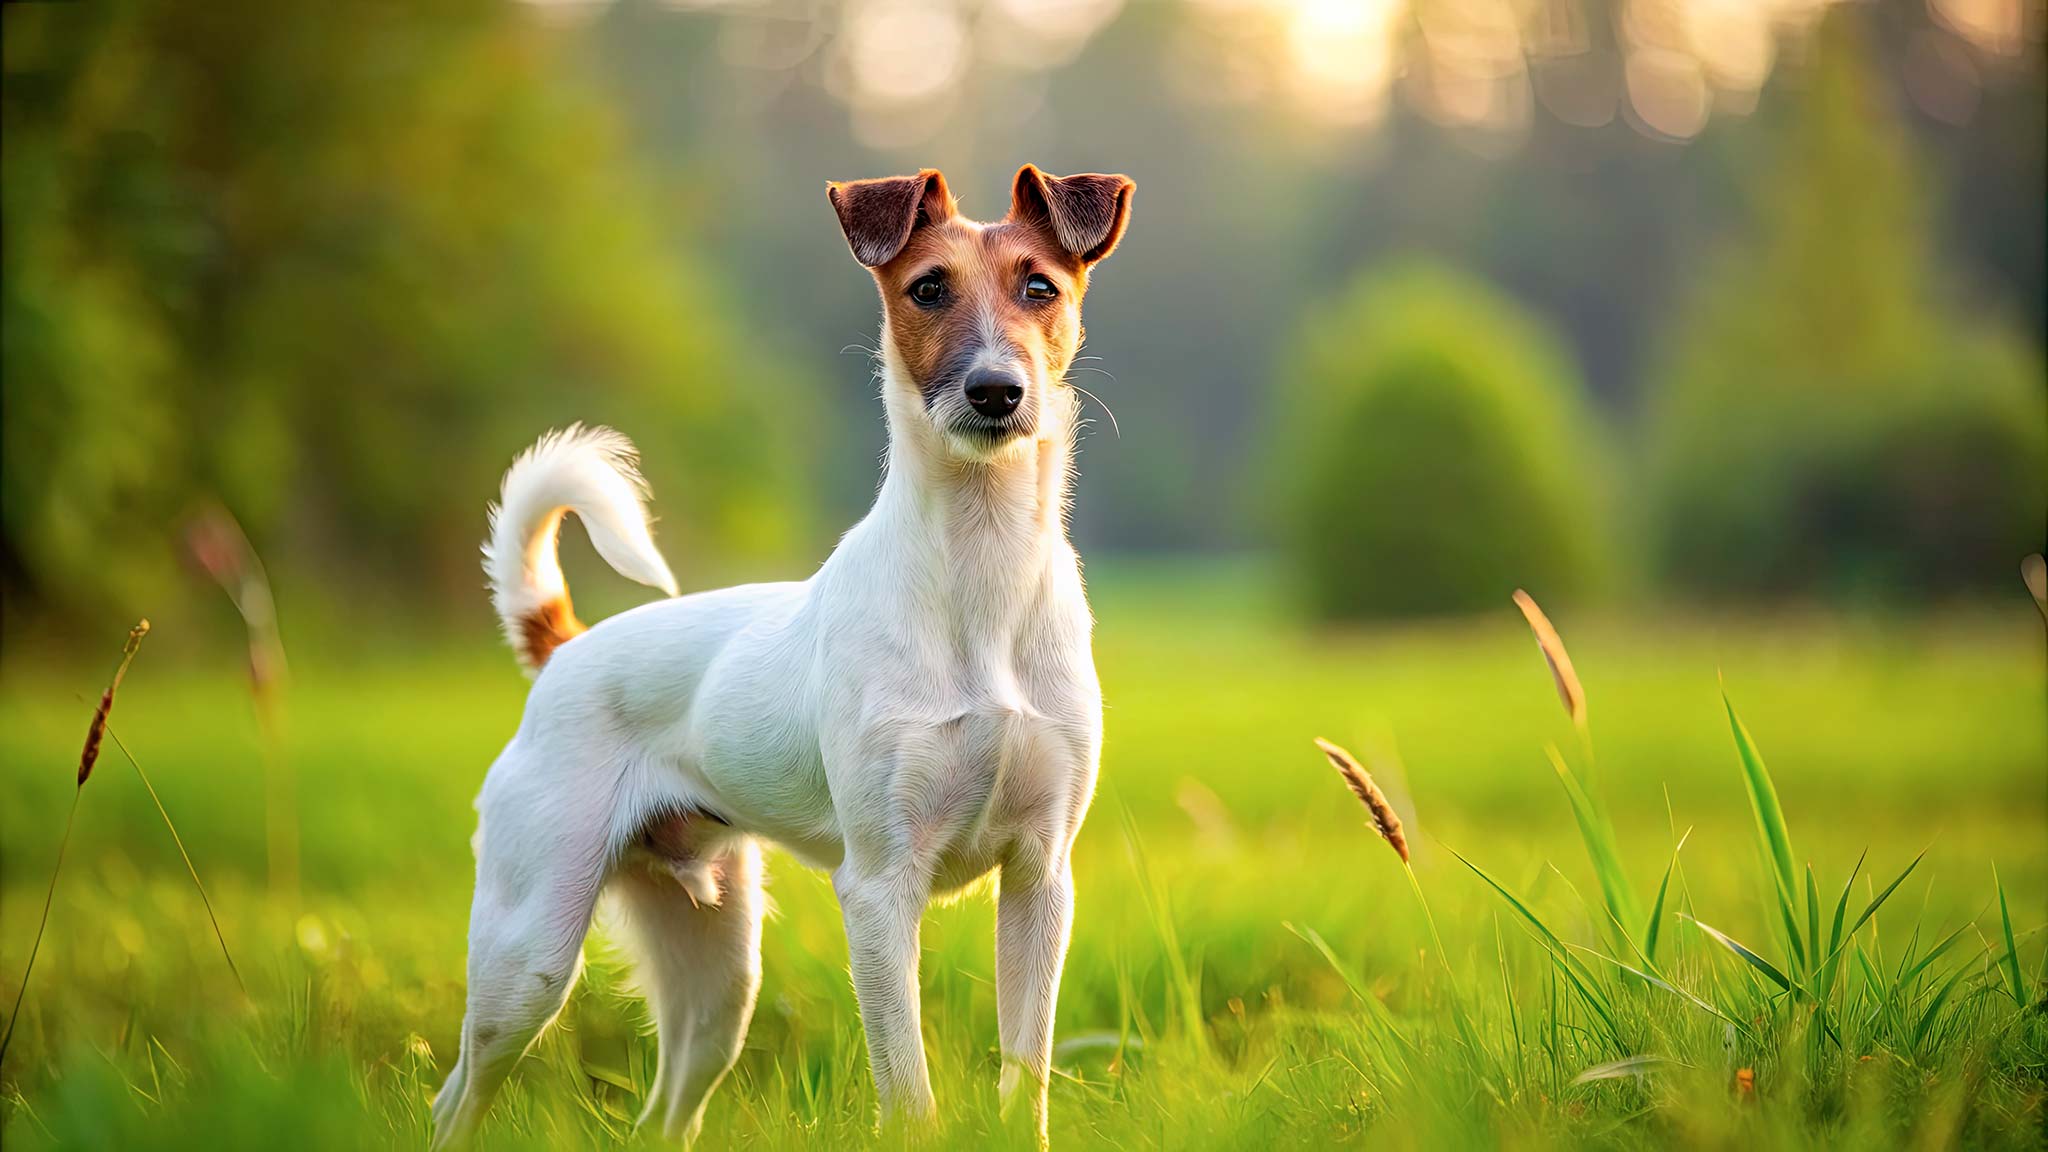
879 215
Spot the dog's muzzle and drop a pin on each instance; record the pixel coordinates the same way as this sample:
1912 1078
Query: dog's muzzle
982 400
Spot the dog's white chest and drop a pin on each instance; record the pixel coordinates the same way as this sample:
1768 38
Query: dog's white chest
1003 751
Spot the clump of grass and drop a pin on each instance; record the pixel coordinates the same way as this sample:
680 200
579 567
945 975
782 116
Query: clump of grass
1803 1015
88 757
1817 943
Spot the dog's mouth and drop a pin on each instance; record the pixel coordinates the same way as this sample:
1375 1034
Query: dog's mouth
984 432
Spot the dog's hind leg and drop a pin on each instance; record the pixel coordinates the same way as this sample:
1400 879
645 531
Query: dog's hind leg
699 963
545 848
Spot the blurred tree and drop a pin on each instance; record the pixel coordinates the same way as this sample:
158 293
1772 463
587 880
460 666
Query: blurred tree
1437 452
335 264
1827 424
1251 206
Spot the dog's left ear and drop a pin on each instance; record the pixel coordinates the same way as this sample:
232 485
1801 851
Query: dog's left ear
1086 214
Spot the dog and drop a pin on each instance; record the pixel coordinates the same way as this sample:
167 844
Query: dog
920 713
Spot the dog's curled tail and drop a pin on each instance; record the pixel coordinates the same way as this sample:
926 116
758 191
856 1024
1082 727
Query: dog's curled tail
595 473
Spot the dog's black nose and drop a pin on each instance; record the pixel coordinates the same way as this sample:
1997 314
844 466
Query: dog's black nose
992 393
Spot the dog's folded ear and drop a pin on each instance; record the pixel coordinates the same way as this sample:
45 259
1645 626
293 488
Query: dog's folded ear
879 215
1086 214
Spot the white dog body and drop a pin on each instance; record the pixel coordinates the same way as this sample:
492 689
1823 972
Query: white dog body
922 696
921 712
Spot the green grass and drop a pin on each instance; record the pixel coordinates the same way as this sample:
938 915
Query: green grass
1250 967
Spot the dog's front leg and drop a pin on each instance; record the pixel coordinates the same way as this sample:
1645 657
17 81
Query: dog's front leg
883 910
1034 918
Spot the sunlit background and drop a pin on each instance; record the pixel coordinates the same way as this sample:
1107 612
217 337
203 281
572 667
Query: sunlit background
1716 325
1769 274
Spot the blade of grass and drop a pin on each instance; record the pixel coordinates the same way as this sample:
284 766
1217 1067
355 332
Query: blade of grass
1763 799
1153 894
1813 913
1755 961
2011 959
1871 975
1842 904
1459 1015
1773 837
1575 972
1826 969
1357 988
1878 900
1663 889
1699 1002
1627 1066
1374 1008
1928 1017
1788 915
49 897
1907 976
1597 830
1507 982
184 855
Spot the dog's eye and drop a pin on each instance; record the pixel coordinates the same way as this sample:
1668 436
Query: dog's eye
1039 287
928 290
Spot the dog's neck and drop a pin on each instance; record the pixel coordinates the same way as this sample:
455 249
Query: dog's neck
983 532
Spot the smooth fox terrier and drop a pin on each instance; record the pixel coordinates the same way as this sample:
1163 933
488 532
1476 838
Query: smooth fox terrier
920 713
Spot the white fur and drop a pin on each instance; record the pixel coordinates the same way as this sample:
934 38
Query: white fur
922 711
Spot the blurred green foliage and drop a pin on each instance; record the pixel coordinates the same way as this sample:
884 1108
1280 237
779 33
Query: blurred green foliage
333 265
1436 453
335 268
1828 422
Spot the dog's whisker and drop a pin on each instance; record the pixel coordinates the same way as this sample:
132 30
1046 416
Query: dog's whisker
1113 426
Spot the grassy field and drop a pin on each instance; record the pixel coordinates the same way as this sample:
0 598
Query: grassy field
1250 967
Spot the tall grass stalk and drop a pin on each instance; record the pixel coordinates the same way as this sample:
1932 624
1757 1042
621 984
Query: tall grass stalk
1388 824
216 541
1596 825
87 758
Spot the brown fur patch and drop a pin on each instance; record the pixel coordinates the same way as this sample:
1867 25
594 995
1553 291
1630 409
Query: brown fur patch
1087 213
905 228
547 628
878 215
984 268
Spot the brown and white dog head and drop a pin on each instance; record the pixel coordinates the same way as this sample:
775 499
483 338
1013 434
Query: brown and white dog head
981 321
